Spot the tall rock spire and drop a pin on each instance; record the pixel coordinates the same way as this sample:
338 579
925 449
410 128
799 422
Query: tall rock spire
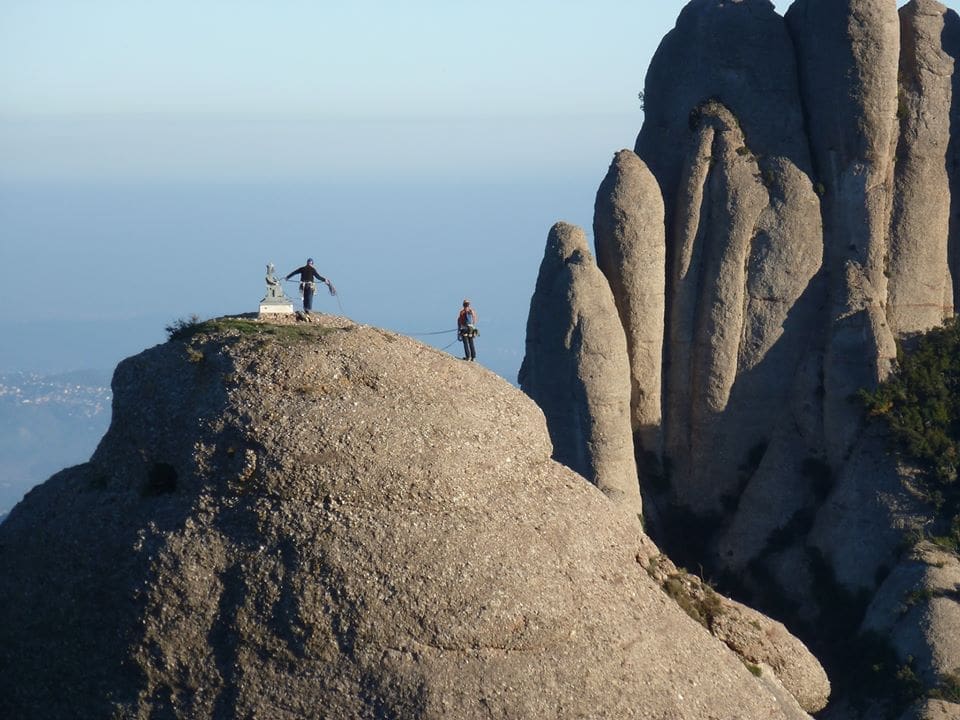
848 58
628 229
577 370
920 285
724 136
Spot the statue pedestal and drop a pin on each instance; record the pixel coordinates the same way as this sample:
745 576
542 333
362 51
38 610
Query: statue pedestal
276 306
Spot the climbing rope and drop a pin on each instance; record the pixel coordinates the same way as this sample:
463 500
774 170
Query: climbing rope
424 334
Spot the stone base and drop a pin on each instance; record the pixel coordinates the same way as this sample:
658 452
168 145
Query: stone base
281 308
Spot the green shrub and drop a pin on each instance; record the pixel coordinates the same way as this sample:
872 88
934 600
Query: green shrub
183 327
920 404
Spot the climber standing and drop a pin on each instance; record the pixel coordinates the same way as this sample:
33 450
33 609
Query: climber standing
308 273
467 330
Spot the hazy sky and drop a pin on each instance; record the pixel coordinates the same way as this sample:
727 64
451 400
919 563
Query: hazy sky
155 155
330 58
292 88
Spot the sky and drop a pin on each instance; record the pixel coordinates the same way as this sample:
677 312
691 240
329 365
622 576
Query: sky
155 156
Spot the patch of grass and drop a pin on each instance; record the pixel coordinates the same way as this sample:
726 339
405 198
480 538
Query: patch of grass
915 597
193 327
951 540
874 674
696 598
755 670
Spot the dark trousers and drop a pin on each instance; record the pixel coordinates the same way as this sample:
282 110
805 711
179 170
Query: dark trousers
469 351
308 289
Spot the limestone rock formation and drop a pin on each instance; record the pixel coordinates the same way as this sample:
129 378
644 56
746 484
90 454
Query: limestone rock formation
920 287
860 526
628 230
286 522
739 54
577 369
723 135
809 170
848 55
917 608
933 710
755 638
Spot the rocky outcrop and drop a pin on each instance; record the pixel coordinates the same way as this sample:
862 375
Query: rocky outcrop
628 231
739 54
933 710
861 525
724 135
920 285
283 522
848 55
917 608
810 174
756 639
577 369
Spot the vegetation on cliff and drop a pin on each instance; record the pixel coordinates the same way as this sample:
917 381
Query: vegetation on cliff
920 404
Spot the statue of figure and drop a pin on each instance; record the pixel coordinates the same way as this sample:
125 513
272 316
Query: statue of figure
274 288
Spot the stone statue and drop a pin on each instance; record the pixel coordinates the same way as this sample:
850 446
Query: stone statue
274 288
275 302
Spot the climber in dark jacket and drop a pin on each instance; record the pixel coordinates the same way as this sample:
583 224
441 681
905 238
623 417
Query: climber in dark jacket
308 273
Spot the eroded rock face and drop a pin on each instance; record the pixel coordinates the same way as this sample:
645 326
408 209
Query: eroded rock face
920 287
754 637
577 369
809 171
348 524
917 608
628 229
724 135
736 326
739 53
932 710
848 54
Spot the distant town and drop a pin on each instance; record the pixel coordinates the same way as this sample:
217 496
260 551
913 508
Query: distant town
52 422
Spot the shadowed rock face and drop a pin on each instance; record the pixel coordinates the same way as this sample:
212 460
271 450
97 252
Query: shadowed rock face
628 231
576 367
343 524
917 607
920 286
724 135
